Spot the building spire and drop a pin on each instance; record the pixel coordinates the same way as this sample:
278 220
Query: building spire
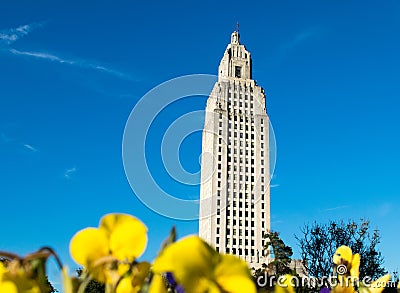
235 37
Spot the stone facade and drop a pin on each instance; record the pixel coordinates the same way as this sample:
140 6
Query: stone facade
235 173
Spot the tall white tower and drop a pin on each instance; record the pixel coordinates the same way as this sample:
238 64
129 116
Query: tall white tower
235 172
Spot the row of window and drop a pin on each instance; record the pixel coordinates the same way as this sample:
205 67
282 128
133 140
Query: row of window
234 242
239 251
238 126
240 93
241 104
246 119
239 118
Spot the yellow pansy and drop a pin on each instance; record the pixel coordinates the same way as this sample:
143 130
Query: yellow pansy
344 256
119 237
16 283
6 286
347 268
346 280
199 268
157 285
132 281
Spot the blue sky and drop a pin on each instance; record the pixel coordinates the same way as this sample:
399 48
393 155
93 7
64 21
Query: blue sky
72 72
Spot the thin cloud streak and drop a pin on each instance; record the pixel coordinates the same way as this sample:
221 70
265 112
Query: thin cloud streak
336 208
276 222
69 172
31 148
73 62
10 36
301 37
274 185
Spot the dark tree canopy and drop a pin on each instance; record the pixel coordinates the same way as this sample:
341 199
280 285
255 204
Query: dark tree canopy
280 253
318 243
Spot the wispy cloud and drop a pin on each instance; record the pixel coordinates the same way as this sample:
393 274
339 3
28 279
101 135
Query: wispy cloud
31 148
12 35
8 37
274 185
336 208
68 173
301 37
4 138
75 62
276 222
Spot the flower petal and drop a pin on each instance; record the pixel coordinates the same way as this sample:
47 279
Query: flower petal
157 285
128 241
8 287
127 235
190 260
88 245
125 286
110 221
233 275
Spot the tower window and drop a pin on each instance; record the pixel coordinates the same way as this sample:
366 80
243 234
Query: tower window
238 71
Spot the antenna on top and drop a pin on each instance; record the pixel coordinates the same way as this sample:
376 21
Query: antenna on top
237 27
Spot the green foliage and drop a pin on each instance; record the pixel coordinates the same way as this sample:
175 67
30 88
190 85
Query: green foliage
280 253
318 243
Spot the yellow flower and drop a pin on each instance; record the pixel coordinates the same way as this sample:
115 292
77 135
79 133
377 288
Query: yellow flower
199 268
5 285
347 268
347 279
157 285
119 237
345 256
16 283
132 282
8 287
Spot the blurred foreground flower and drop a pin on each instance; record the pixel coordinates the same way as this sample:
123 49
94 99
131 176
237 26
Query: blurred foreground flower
199 268
347 267
16 282
344 256
26 274
107 252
